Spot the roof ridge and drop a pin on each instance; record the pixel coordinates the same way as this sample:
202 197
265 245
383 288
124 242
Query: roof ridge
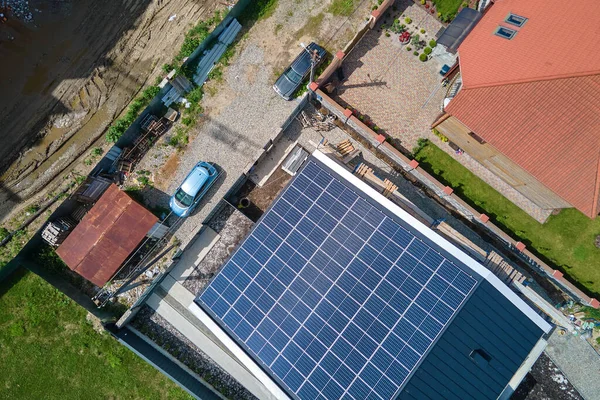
597 188
541 79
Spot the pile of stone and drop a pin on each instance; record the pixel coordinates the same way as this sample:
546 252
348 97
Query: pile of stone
18 9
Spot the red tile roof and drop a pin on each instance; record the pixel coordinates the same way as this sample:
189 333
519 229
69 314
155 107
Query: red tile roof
536 98
106 236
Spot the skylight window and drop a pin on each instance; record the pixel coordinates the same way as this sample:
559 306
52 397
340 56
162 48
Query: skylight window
515 20
505 33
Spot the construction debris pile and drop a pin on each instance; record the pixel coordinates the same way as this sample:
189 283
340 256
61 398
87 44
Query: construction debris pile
18 9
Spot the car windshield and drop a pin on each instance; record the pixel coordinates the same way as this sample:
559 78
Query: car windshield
293 76
184 198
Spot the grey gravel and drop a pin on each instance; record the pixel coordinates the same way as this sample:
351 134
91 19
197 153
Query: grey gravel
231 232
18 9
233 138
578 361
165 335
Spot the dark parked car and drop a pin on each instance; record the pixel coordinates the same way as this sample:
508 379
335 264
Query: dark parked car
294 75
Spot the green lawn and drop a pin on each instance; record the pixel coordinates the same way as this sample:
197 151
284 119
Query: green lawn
49 351
565 240
342 7
448 8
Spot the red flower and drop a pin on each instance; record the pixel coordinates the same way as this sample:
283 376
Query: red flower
432 10
426 5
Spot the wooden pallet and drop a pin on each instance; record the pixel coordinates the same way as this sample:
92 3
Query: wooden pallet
502 269
388 188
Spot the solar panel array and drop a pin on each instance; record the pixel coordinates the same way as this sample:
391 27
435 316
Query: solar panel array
335 298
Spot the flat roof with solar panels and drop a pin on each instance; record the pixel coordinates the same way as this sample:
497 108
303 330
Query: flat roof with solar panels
338 293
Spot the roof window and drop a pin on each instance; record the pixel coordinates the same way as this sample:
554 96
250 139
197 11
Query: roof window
505 33
515 20
480 357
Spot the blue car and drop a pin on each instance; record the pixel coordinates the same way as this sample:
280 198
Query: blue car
194 187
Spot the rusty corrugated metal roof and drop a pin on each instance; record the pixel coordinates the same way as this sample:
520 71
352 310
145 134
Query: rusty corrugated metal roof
536 97
106 236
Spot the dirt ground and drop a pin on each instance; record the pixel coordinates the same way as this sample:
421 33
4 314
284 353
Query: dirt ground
66 75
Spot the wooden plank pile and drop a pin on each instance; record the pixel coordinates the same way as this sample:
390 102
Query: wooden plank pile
57 231
502 269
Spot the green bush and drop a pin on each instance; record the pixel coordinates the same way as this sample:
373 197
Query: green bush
416 53
137 105
387 34
166 68
422 30
97 151
427 50
423 57
3 233
407 20
432 43
408 48
423 2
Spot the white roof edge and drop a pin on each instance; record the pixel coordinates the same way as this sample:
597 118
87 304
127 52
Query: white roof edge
436 238
249 363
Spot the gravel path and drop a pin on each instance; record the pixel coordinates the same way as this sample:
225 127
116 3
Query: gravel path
165 335
234 137
579 362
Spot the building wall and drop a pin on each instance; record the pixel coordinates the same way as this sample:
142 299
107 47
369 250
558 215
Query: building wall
501 165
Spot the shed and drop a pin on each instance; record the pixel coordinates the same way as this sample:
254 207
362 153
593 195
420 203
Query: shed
106 236
460 27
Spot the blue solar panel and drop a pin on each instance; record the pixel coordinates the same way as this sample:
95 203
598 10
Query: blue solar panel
334 297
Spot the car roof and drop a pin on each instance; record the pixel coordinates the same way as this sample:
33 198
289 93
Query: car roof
195 180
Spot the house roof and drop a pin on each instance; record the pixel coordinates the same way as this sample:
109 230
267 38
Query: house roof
558 40
364 303
488 322
106 236
536 97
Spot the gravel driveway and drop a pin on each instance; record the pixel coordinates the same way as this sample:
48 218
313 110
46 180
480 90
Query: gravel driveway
234 137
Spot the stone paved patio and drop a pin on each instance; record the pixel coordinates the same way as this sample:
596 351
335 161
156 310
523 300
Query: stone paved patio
389 84
403 96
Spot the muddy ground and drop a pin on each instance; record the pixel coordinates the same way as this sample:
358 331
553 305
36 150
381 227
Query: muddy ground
65 76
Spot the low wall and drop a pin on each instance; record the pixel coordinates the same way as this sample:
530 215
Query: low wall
415 173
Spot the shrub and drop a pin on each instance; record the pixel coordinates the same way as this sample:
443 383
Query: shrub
379 2
423 57
408 48
97 151
422 31
407 20
388 34
416 53
427 50
432 43
167 68
3 233
423 2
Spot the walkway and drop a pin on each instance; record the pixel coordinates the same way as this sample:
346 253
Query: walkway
579 362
